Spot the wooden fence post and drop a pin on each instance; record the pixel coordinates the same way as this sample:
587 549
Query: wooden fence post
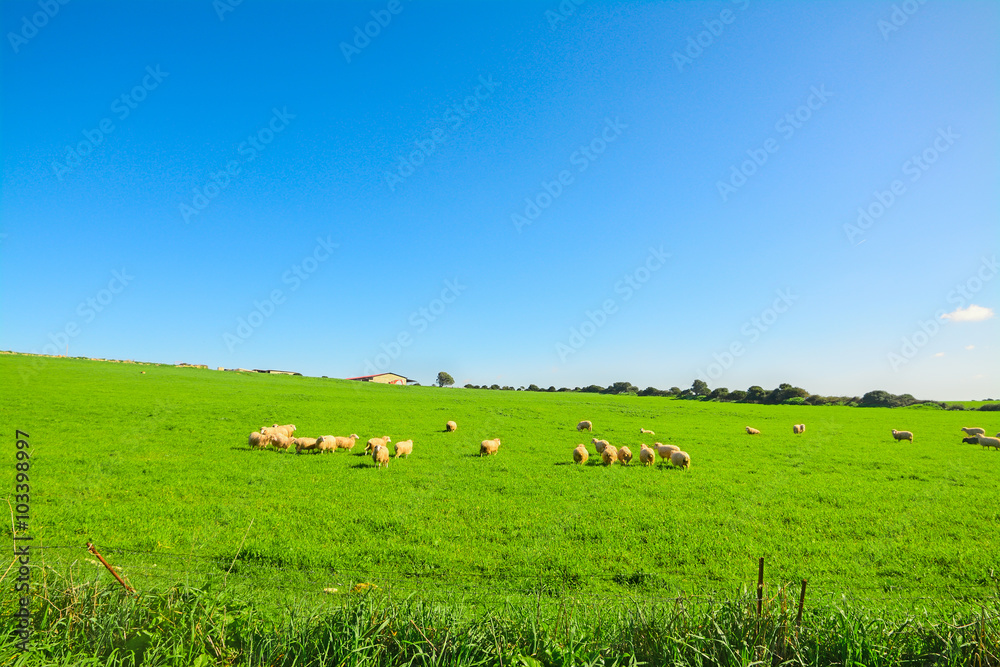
802 603
760 587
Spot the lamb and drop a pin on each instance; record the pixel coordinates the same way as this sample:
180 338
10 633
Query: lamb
374 442
489 447
974 440
609 455
404 448
625 455
451 426
380 455
259 440
974 431
645 430
902 435
302 444
326 443
580 454
798 428
752 431
348 442
281 441
585 425
599 444
666 450
646 456
989 442
681 459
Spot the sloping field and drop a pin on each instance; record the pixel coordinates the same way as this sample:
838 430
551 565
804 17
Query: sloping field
154 468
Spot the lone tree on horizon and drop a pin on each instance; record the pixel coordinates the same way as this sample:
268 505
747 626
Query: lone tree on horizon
445 380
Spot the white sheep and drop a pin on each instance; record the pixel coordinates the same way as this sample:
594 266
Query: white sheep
666 450
348 442
404 448
599 444
646 456
259 440
489 447
609 455
286 429
374 442
681 459
326 443
798 428
281 441
974 431
989 442
380 455
585 425
302 444
624 455
580 454
451 426
752 431
645 430
902 435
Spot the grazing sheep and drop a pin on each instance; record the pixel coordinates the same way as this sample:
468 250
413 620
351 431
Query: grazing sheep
625 455
451 426
259 440
989 442
281 441
666 450
974 440
752 431
646 456
286 429
609 455
302 444
585 425
599 444
380 455
271 431
681 459
974 431
798 428
326 443
348 442
404 448
580 454
902 435
489 447
644 430
373 442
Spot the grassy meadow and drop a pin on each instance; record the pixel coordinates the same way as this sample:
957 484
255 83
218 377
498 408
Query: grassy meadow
154 468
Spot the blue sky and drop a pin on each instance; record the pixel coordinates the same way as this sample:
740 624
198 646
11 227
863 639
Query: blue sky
513 192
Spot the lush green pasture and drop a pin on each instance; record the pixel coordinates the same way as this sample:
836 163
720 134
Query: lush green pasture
159 463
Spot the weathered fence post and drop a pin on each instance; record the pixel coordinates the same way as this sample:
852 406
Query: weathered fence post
760 587
802 603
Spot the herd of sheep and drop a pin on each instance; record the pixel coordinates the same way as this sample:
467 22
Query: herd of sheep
282 437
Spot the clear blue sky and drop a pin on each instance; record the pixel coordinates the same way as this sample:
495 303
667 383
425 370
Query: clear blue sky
626 191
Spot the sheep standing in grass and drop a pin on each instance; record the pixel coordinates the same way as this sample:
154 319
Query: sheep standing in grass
646 455
326 443
973 431
580 454
599 444
609 455
989 442
902 435
681 459
666 450
489 447
303 444
798 428
380 455
348 442
281 441
752 431
375 442
585 425
285 429
259 440
625 455
643 431
451 426
404 448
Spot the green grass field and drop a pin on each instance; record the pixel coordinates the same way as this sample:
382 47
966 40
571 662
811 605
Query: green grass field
158 463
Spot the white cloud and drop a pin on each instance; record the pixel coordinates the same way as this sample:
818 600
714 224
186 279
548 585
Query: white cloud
970 347
939 354
973 313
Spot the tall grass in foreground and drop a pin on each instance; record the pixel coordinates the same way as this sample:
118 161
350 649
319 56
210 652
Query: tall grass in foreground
96 624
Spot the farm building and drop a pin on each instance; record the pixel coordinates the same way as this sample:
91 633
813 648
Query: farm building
384 378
